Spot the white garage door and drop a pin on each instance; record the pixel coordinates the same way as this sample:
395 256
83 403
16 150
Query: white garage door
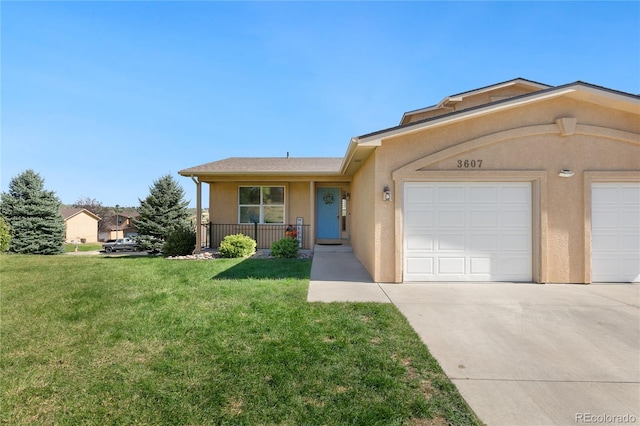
457 231
615 232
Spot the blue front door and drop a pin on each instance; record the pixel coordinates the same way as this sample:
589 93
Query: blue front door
328 213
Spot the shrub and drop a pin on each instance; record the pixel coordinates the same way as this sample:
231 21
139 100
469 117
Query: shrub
238 245
180 242
5 235
285 247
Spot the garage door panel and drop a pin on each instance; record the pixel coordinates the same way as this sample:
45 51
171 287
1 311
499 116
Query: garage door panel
515 194
421 265
450 242
483 194
513 266
629 244
515 242
514 219
630 266
483 218
483 243
422 195
629 196
450 218
451 265
480 265
630 219
604 196
604 242
419 218
615 232
605 219
450 194
420 242
478 227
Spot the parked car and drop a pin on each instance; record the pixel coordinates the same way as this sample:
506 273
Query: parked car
121 244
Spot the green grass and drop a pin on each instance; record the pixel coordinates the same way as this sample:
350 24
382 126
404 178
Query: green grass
136 340
82 247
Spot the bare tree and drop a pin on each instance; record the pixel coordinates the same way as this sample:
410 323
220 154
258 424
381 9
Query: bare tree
93 205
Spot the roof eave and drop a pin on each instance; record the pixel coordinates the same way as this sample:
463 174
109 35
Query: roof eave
459 96
188 173
81 211
577 89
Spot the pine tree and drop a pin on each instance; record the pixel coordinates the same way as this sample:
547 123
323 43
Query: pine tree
33 214
163 211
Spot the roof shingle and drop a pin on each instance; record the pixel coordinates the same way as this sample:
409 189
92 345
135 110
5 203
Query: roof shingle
268 165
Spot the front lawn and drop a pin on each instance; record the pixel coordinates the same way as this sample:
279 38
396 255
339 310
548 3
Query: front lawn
136 340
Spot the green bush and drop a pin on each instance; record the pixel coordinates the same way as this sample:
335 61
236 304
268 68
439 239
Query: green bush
238 245
5 235
180 242
286 247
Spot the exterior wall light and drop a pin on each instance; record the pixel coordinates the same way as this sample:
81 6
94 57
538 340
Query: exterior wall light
386 194
565 173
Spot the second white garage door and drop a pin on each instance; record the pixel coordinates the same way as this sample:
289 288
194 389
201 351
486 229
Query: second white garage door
615 232
462 231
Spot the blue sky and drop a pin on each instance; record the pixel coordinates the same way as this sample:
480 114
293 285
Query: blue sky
103 98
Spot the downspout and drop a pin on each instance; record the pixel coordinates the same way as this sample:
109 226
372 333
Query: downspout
198 248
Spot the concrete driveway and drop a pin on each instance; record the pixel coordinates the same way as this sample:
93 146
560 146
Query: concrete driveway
520 354
531 354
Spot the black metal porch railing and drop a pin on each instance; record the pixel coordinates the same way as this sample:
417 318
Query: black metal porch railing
264 234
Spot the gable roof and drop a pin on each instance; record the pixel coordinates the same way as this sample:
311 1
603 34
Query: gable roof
269 166
459 97
68 213
360 147
579 90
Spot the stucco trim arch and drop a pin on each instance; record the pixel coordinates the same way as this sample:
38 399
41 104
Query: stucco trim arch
507 135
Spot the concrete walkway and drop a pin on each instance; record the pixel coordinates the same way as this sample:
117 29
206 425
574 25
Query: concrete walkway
337 276
520 354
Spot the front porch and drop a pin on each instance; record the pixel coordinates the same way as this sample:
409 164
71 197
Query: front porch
263 234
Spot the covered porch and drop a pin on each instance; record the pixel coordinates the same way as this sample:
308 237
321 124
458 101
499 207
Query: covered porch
265 198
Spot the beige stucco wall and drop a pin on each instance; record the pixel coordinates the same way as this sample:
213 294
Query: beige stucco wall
223 200
298 204
363 222
82 226
522 144
299 197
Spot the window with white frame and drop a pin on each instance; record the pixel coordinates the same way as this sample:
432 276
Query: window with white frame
261 204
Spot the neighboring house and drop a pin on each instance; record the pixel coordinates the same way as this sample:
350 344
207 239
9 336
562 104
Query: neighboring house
81 225
518 181
119 226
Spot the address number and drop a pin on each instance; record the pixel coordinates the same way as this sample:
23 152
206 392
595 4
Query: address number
469 164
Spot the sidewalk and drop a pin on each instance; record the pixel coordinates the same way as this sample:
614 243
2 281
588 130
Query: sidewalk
337 276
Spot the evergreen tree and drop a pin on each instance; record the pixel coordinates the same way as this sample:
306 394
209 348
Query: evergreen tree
33 214
163 211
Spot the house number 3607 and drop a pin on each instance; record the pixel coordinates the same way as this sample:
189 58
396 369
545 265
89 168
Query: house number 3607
469 164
